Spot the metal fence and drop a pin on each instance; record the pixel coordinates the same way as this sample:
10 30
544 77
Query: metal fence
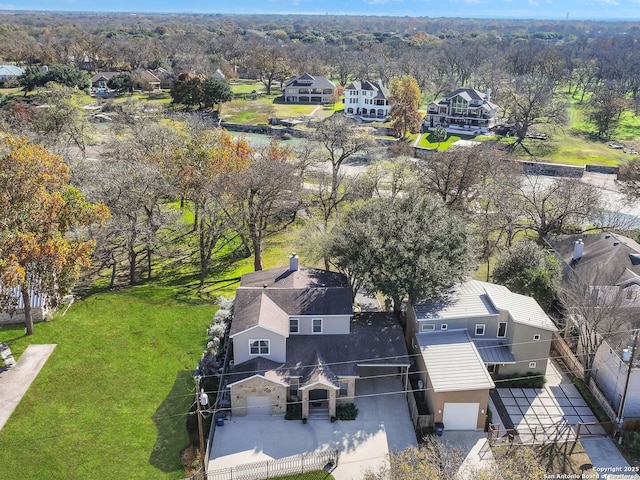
326 460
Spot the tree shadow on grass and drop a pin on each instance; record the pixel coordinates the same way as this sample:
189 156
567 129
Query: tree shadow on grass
170 421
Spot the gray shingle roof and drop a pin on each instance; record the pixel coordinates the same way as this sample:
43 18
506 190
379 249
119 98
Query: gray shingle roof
453 362
607 259
375 339
306 80
382 91
268 297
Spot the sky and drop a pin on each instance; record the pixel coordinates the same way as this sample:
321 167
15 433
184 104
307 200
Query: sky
529 9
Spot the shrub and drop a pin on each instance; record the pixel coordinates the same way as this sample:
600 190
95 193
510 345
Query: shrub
529 380
347 411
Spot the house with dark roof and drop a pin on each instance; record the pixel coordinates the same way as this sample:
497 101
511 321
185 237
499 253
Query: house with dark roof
295 339
367 100
465 340
306 88
610 264
100 79
464 110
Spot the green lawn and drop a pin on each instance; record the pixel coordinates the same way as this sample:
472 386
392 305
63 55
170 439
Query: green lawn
427 141
258 111
575 145
150 98
111 401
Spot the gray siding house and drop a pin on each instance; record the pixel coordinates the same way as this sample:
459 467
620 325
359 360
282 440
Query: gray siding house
610 263
309 89
295 340
463 341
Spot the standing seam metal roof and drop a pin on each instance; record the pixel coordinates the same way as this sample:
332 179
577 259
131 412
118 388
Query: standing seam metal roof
453 362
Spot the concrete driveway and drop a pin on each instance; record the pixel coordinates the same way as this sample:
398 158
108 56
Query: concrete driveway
383 425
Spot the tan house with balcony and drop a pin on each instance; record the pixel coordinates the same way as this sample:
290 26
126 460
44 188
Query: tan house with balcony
463 110
463 341
309 89
296 340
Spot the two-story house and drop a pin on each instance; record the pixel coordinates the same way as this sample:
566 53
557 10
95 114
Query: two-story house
367 100
309 89
463 110
610 264
295 339
463 341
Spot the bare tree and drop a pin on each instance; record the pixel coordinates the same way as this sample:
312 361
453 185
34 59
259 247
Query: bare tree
557 206
530 100
457 176
340 138
267 196
595 307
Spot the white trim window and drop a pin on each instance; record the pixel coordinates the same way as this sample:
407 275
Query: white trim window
294 325
344 389
536 337
502 329
480 327
259 347
316 325
532 364
294 385
427 327
444 326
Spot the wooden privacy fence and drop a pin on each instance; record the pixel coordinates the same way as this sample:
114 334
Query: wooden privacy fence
419 421
296 464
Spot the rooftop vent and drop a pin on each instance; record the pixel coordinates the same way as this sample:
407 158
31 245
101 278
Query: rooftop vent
293 262
578 249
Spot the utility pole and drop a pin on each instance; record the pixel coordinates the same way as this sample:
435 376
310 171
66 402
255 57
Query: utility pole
202 399
626 387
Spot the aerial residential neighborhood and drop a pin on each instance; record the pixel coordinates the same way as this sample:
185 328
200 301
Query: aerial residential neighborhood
319 246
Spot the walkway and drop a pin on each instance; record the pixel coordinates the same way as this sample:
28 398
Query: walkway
15 381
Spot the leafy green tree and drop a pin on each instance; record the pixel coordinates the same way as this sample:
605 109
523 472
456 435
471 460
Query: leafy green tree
69 76
405 101
187 89
528 269
205 92
405 247
120 82
33 77
439 134
66 75
215 92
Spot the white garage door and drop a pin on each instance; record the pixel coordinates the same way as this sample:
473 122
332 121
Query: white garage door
258 405
460 416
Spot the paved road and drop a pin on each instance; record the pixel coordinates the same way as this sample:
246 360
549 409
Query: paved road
15 381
